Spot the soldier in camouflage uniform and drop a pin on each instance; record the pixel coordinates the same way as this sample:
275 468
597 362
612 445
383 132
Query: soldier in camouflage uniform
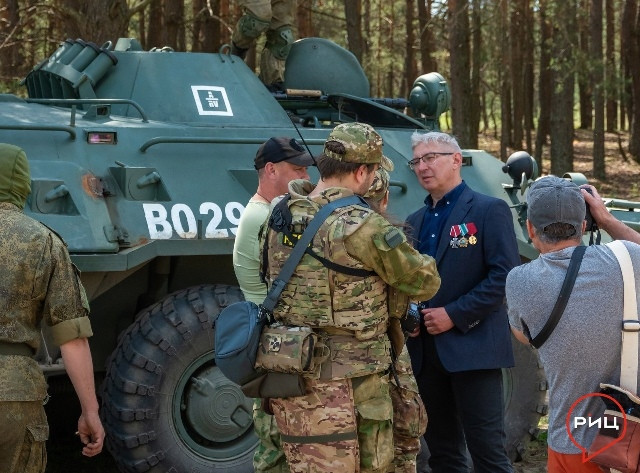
278 161
273 17
344 422
409 414
38 282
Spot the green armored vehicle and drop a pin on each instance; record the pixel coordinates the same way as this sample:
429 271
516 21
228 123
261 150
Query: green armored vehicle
143 161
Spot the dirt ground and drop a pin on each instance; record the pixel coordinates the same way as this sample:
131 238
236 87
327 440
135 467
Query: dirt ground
535 457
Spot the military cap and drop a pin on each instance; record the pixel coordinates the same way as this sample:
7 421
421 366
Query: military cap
379 186
362 145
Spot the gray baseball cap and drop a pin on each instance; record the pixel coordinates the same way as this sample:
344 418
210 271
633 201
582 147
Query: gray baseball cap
554 200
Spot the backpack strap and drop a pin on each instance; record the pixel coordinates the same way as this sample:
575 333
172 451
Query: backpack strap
300 248
630 323
280 222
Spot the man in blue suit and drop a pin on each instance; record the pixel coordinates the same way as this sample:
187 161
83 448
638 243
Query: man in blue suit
464 340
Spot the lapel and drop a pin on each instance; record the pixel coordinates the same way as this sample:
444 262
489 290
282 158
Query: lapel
456 217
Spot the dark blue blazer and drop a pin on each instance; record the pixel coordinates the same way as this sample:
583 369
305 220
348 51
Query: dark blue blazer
472 288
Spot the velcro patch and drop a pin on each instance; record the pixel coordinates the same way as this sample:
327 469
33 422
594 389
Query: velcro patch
275 343
393 237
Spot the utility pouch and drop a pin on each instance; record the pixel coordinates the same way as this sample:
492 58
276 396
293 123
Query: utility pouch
285 349
276 385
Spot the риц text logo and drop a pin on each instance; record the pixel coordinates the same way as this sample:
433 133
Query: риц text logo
604 423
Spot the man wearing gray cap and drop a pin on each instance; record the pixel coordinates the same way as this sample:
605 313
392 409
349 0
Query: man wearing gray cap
584 348
278 161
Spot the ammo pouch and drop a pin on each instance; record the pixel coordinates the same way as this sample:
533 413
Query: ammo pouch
285 349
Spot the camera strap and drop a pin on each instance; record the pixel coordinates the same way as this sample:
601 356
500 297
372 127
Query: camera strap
563 298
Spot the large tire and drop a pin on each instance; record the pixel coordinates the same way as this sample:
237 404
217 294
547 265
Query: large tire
525 391
165 405
524 395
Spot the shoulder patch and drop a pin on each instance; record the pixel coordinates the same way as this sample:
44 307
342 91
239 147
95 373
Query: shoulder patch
393 237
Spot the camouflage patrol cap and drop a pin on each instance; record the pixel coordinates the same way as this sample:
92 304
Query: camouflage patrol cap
362 143
379 186
15 180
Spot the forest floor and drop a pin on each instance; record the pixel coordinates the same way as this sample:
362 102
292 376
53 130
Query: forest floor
623 173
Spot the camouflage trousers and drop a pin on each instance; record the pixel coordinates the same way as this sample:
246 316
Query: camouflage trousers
342 425
268 457
23 435
278 13
409 416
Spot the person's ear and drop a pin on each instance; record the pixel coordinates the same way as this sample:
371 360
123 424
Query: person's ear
385 201
457 160
361 173
269 169
530 229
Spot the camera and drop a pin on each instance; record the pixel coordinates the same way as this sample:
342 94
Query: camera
413 317
592 226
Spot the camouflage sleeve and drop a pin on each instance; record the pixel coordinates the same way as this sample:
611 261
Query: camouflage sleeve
384 248
65 305
398 303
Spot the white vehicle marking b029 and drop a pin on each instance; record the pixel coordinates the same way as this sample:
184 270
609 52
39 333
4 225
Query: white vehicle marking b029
181 219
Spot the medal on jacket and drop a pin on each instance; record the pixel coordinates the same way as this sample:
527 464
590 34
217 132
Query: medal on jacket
472 230
462 241
454 232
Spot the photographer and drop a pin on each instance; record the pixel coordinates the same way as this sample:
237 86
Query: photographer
607 222
584 348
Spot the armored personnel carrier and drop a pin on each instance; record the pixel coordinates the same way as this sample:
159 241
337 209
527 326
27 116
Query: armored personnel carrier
143 161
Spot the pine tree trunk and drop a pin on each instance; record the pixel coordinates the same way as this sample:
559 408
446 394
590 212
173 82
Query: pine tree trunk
426 36
505 84
544 84
516 27
460 65
474 109
410 66
352 12
563 78
595 25
631 36
585 91
611 76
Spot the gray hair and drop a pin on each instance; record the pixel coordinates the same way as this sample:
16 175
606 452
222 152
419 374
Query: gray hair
434 137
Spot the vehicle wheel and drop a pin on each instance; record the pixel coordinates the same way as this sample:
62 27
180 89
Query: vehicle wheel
165 404
524 394
525 390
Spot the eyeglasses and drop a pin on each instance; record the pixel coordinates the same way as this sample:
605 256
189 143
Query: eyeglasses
427 158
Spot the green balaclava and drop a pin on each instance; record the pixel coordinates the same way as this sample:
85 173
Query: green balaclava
15 180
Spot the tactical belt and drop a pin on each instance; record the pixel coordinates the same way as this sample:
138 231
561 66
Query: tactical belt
20 349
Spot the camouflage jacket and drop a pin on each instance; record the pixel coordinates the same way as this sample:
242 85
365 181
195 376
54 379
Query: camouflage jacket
37 282
351 311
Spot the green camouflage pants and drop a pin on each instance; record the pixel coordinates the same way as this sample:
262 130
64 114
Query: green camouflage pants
268 457
342 425
278 13
23 435
409 416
